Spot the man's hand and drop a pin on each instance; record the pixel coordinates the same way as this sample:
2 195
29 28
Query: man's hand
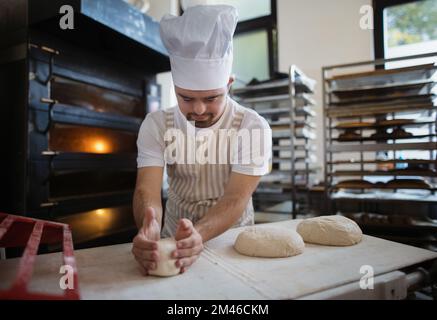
189 244
145 246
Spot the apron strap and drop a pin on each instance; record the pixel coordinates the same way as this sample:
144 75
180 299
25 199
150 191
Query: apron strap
169 119
169 122
238 118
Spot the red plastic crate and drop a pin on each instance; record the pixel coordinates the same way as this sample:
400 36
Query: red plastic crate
14 232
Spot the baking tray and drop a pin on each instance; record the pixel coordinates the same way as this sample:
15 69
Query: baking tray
381 87
277 87
412 161
381 185
340 147
383 77
309 159
283 147
384 94
345 113
300 133
395 172
387 137
277 112
285 124
300 100
378 196
369 125
422 99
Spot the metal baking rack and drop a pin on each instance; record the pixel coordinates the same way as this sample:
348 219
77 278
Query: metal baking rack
288 106
380 127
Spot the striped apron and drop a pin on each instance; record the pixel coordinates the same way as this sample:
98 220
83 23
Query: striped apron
195 188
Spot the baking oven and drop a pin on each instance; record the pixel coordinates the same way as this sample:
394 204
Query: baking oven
85 101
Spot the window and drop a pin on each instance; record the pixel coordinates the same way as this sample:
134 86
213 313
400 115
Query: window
255 41
251 57
405 28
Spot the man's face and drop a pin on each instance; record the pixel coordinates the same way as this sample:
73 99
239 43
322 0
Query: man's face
203 107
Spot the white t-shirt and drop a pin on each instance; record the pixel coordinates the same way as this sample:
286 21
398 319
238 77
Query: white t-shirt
151 144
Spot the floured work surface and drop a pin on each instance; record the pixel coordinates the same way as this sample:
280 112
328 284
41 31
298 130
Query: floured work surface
221 273
318 268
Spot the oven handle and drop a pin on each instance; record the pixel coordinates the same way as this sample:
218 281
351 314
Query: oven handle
52 53
51 104
51 155
48 204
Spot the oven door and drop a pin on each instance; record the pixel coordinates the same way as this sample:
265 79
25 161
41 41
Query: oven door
82 144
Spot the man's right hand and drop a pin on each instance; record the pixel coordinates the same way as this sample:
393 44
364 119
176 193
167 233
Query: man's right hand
145 246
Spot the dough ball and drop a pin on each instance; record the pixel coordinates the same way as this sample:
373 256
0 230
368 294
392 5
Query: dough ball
330 230
269 242
166 264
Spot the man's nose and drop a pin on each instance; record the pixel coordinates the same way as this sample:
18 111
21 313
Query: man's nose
199 108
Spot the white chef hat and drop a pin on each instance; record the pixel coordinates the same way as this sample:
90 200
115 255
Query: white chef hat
200 46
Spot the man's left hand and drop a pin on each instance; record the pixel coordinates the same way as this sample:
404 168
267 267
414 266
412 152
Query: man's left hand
189 244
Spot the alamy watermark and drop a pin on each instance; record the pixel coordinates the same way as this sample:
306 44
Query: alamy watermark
222 146
67 20
67 280
367 280
366 20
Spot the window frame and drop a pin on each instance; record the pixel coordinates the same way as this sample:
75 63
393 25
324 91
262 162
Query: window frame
378 23
269 24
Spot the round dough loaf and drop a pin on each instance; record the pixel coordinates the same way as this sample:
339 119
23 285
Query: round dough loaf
166 264
333 230
269 242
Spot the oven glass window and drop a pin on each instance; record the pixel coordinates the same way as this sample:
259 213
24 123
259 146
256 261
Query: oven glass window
64 185
74 138
93 98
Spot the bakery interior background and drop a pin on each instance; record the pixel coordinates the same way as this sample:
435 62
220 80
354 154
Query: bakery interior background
78 166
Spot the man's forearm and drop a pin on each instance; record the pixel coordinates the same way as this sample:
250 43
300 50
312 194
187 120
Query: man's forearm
221 217
142 200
